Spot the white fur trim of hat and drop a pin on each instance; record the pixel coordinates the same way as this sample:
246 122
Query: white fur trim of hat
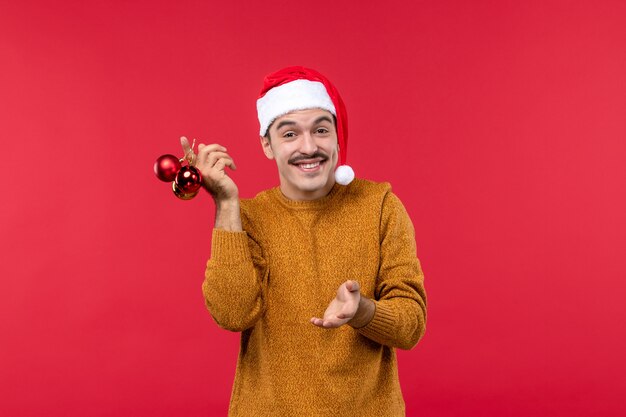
292 96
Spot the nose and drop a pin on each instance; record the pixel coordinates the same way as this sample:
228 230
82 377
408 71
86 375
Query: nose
308 146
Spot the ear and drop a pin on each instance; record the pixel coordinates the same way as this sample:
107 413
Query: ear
267 147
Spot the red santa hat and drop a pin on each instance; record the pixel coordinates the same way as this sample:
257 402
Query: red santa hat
300 88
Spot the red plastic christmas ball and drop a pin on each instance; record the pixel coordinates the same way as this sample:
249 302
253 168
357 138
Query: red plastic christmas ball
188 180
166 167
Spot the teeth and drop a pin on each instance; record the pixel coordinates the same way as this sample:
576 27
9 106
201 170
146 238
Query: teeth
309 166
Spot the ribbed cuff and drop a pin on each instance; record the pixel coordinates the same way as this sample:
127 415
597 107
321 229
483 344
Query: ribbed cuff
229 247
382 324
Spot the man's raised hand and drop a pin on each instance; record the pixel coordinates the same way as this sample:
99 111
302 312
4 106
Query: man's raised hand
212 161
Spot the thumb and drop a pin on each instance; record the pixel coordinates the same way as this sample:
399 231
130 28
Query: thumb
352 286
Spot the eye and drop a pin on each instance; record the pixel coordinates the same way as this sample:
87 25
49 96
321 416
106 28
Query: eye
289 135
321 130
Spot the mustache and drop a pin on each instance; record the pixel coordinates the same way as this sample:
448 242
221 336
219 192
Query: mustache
317 154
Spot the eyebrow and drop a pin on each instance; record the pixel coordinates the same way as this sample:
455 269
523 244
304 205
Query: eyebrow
317 121
285 123
322 119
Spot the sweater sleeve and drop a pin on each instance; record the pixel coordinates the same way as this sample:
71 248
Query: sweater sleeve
232 288
400 298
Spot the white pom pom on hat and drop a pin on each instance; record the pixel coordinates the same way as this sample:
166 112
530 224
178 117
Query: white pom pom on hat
300 88
344 174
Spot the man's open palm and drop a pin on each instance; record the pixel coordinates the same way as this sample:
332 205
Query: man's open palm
342 308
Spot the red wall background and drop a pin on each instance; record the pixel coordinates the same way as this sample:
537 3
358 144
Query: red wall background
500 124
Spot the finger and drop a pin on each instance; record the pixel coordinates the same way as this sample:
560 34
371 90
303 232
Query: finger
213 157
204 150
317 321
352 286
329 324
185 144
231 164
223 162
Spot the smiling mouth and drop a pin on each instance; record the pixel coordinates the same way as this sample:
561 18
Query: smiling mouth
309 166
309 163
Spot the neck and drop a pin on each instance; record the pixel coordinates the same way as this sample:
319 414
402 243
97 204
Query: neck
305 195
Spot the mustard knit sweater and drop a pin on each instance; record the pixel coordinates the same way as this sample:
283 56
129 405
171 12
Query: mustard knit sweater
268 281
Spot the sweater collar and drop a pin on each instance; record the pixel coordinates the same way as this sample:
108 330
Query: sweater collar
308 204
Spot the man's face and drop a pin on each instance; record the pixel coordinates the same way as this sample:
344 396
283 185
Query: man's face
304 145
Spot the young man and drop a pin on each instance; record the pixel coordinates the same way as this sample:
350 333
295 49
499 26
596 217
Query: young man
320 278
